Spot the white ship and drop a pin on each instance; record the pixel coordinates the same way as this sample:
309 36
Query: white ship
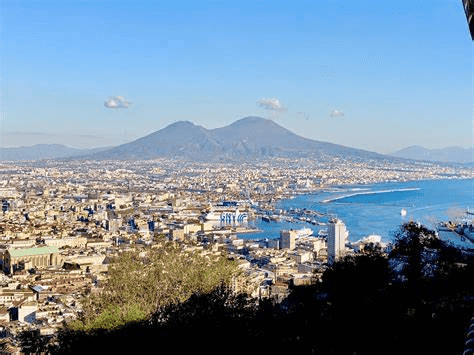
322 233
305 232
226 215
403 212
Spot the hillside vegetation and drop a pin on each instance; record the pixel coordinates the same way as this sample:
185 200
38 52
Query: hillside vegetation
142 283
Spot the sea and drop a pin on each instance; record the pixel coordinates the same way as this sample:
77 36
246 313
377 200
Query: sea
376 209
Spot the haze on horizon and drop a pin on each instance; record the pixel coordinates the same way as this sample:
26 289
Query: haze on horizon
377 76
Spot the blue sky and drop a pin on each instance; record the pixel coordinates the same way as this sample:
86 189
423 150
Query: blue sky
377 75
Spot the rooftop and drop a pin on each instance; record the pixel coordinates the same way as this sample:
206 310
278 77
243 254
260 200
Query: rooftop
33 251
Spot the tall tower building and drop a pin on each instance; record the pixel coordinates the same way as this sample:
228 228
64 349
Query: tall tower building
288 239
337 235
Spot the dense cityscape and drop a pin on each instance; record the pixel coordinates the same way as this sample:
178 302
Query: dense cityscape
64 221
248 177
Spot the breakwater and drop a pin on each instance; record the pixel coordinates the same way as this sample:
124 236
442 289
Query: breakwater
332 199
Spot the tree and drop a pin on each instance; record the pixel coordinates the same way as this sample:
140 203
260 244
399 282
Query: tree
142 283
412 243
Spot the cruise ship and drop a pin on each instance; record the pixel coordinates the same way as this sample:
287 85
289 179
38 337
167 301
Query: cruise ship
304 232
226 213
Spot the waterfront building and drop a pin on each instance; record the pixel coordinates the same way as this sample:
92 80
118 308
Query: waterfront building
336 239
274 243
318 245
288 239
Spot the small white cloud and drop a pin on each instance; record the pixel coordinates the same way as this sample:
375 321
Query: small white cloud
117 102
271 104
335 113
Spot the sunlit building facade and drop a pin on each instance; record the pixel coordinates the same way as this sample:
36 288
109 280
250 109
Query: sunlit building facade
336 240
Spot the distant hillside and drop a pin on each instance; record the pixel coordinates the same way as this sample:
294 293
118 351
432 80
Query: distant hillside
43 151
248 138
445 155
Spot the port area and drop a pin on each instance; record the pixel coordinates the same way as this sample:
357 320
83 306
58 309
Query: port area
291 215
460 235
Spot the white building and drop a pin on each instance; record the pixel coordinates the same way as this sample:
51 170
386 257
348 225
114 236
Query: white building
371 239
74 242
27 312
337 235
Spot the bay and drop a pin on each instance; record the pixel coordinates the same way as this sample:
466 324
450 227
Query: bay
376 208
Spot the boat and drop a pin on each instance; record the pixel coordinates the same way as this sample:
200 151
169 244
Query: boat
304 232
403 212
226 216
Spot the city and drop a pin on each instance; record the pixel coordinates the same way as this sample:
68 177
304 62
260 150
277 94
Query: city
236 176
63 221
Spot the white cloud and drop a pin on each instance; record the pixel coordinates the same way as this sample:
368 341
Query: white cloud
271 104
335 113
117 102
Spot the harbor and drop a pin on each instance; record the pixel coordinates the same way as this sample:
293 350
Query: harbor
393 204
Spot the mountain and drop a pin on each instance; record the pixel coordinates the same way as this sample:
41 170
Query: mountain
248 138
445 155
180 139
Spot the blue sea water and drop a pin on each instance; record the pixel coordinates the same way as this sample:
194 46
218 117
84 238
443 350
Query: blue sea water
375 208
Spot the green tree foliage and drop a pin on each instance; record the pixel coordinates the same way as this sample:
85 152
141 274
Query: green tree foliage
142 283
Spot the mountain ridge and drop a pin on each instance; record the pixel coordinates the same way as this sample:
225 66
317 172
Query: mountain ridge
250 137
452 154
